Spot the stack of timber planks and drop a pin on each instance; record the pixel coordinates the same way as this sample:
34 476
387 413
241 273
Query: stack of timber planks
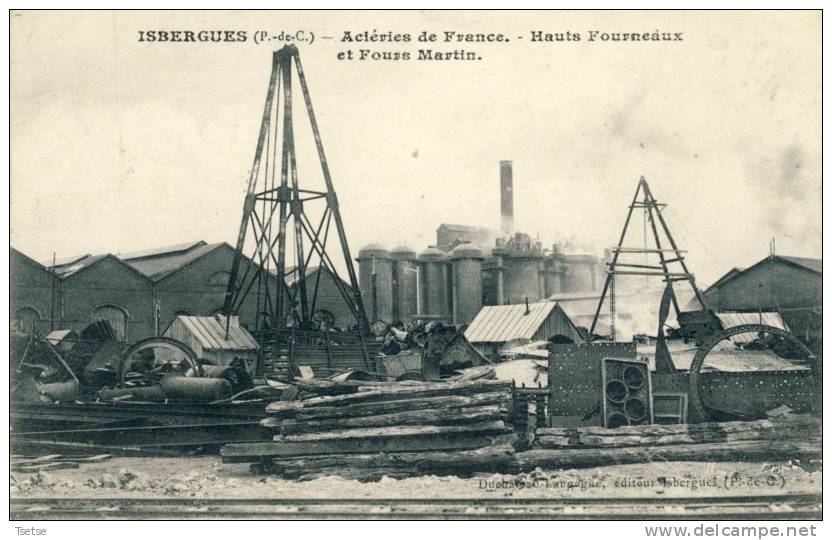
788 437
392 429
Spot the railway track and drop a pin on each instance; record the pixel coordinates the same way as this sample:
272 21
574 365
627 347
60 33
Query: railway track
767 507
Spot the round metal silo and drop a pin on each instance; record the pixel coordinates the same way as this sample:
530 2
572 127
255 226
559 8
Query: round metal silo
404 283
554 272
466 269
433 283
522 279
375 278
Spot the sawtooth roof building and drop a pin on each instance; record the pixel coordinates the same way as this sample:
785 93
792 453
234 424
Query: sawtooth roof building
139 293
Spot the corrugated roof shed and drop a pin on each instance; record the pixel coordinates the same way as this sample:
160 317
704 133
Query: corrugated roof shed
768 318
210 331
498 324
158 266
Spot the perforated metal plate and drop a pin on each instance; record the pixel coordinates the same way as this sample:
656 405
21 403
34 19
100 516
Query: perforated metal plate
575 376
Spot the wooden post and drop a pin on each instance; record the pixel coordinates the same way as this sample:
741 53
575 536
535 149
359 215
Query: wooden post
540 411
328 350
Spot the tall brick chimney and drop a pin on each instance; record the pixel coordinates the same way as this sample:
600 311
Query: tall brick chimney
506 198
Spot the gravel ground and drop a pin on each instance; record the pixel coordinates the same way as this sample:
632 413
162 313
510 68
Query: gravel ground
209 477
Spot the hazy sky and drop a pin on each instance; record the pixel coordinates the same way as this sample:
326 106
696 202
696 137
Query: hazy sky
119 145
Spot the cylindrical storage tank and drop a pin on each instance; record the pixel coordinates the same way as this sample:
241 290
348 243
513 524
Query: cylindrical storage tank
521 280
577 276
404 283
375 278
466 270
433 283
554 271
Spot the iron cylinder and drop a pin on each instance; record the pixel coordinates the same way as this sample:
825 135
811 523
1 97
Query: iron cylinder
145 393
195 389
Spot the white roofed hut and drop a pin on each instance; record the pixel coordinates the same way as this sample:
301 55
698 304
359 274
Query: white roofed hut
207 337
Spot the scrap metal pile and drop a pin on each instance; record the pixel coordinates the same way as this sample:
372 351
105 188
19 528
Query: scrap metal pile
94 366
424 351
89 393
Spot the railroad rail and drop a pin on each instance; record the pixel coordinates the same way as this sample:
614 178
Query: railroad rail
767 507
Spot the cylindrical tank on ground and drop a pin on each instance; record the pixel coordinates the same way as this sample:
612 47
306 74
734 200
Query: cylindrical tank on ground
375 278
433 283
404 283
466 268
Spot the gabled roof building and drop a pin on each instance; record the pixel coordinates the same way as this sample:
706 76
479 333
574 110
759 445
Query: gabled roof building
790 286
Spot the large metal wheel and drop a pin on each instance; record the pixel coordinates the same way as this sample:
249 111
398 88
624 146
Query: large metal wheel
698 411
130 356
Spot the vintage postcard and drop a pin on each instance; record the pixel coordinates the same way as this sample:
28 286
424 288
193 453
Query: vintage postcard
556 265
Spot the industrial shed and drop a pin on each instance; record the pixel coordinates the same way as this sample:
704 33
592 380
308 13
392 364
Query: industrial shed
32 299
787 285
207 337
189 279
495 326
104 288
329 300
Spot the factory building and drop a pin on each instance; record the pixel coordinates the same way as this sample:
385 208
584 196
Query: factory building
139 293
471 267
790 286
328 305
103 287
31 294
188 279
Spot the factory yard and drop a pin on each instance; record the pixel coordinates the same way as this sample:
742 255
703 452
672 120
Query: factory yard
487 374
208 477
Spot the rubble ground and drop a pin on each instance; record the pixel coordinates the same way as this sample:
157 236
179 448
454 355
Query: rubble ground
205 477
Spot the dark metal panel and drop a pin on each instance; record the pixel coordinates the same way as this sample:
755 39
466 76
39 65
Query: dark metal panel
575 376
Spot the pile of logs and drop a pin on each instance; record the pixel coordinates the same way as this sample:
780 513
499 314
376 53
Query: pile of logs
393 429
788 437
461 427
